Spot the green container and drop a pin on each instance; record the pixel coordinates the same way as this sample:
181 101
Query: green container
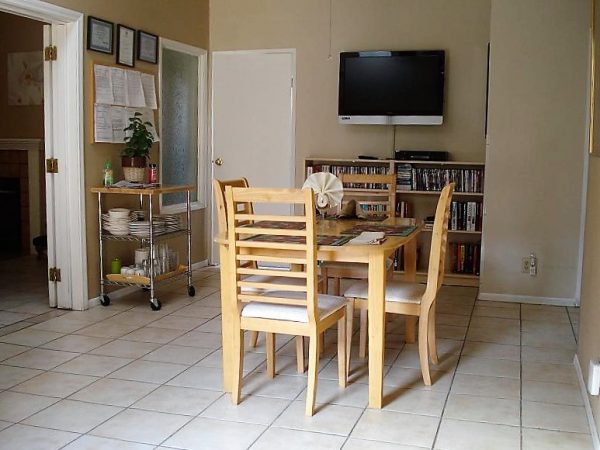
115 266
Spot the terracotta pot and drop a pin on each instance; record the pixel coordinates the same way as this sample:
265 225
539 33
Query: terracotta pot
133 161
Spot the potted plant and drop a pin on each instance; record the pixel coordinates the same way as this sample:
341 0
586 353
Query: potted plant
134 156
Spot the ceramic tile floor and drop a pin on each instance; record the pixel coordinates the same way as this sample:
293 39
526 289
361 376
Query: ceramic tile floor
124 377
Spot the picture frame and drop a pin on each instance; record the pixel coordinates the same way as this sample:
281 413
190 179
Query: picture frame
147 47
125 45
100 35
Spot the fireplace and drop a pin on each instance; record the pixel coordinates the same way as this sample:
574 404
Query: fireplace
22 181
11 222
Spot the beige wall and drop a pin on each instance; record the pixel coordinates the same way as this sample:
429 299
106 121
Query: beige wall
589 332
460 28
181 20
18 34
537 132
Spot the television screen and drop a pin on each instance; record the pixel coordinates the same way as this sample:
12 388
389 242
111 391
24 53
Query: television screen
392 87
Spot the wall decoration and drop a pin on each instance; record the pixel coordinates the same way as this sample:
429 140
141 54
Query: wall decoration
147 47
25 78
100 35
125 45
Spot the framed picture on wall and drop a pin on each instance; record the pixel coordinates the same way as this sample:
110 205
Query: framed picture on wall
100 35
125 45
147 47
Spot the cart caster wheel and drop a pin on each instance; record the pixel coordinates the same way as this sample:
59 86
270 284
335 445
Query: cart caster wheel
191 291
105 300
157 306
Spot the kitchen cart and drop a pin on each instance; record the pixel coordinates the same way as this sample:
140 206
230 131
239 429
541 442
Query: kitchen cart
150 281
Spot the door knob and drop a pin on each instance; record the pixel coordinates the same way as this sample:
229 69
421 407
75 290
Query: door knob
218 162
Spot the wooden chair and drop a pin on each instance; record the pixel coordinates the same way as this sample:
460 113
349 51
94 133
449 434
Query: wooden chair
416 299
247 208
382 198
276 306
375 194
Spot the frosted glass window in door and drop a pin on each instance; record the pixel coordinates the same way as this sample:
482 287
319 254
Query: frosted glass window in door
179 147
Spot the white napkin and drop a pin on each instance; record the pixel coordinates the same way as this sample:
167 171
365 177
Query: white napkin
368 238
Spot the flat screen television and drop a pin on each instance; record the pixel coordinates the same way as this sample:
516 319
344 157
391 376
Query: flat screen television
392 87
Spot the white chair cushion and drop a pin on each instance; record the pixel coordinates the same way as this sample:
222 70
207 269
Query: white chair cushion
395 291
347 265
270 280
328 304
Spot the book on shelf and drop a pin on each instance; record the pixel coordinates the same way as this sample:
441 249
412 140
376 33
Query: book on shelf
428 223
466 258
403 209
465 216
403 177
434 179
337 170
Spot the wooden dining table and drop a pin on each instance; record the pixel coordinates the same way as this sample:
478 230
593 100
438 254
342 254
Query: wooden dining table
374 256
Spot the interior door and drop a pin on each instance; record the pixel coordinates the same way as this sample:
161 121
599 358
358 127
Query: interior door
57 184
253 120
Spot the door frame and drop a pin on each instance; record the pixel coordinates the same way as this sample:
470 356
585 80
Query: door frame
63 123
214 250
202 173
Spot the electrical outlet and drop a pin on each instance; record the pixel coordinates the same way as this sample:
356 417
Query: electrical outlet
533 263
525 265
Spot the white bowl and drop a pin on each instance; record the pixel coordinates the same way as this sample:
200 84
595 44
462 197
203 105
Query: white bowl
122 213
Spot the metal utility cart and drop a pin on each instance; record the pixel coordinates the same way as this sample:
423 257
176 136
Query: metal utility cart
149 282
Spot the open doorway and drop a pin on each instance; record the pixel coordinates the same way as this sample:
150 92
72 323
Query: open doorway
23 243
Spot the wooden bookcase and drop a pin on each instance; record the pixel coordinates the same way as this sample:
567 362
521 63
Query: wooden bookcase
467 202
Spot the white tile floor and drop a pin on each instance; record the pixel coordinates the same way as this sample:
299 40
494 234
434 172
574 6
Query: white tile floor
124 377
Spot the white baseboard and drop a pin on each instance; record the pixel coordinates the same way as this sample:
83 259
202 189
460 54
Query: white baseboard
552 301
586 403
118 293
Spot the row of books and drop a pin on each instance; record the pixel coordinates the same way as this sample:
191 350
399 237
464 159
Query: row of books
465 258
361 170
373 209
403 209
404 177
465 216
428 179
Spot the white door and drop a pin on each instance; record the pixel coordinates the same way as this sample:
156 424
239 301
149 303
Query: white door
64 202
253 119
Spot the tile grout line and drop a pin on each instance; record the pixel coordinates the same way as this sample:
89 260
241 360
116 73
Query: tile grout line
367 407
572 325
59 399
521 376
437 431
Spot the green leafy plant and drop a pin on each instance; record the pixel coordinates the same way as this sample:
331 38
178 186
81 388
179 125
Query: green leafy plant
139 139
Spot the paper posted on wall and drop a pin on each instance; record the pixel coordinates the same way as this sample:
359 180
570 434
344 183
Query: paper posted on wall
120 87
110 122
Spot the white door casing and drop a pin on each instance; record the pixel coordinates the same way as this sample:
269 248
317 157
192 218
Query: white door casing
253 119
63 119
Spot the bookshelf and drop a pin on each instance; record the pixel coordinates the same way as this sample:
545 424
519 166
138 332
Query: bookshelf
417 191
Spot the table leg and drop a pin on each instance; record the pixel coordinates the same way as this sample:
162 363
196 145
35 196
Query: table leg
227 320
410 274
376 294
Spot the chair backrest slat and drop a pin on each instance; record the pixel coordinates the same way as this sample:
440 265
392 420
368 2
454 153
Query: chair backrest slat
274 240
220 206
382 196
439 245
273 273
246 298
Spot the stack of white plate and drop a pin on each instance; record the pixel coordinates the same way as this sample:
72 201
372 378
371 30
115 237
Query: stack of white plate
116 221
142 228
171 222
139 214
